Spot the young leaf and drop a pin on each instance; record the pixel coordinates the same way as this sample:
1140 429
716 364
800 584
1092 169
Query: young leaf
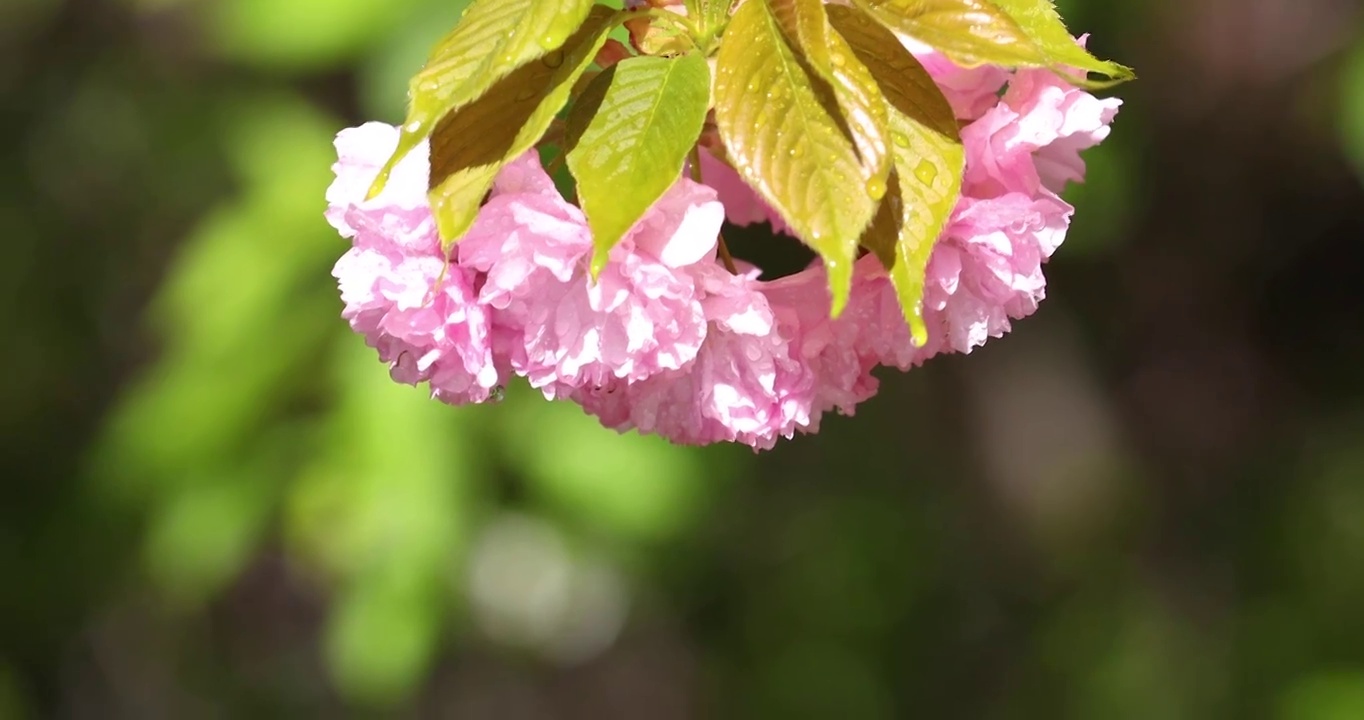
641 118
786 145
1039 19
471 143
710 16
493 38
928 162
971 32
806 27
981 32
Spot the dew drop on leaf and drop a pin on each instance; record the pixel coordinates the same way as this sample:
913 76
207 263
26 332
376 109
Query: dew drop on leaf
900 139
552 40
926 172
553 59
876 188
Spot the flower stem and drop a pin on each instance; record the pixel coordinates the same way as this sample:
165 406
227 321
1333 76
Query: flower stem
556 163
720 238
725 256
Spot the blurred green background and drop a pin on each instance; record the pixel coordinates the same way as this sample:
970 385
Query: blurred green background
1147 502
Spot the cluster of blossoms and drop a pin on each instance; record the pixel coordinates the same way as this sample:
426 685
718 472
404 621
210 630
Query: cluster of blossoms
667 340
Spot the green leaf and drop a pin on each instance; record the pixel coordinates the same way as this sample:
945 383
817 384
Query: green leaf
928 162
1043 25
807 29
472 143
984 32
642 116
786 144
492 39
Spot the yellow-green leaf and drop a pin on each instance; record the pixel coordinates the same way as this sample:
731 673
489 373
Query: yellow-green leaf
989 32
629 135
928 162
787 145
971 32
493 38
1041 22
807 29
471 143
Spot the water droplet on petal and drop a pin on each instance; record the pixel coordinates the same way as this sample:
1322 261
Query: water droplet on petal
497 394
900 139
553 59
412 127
838 59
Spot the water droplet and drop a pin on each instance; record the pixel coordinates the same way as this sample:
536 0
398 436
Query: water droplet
552 40
753 86
554 59
926 171
838 59
797 151
412 127
497 394
876 188
900 139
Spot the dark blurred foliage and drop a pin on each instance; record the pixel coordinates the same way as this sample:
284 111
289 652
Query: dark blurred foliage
1146 502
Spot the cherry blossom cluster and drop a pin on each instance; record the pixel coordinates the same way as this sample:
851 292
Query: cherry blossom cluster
666 339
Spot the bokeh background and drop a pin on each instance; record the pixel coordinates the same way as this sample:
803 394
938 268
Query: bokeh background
1147 502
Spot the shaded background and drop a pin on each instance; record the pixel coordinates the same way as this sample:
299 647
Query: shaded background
1146 502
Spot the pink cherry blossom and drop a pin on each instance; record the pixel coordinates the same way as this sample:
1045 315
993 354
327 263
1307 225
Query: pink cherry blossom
638 317
744 385
398 292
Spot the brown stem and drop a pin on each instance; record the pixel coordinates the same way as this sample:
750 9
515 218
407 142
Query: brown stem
556 163
721 246
726 257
